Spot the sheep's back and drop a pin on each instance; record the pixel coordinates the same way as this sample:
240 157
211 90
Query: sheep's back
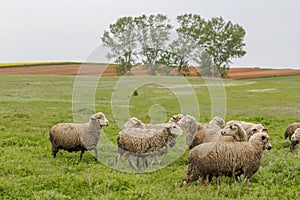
65 136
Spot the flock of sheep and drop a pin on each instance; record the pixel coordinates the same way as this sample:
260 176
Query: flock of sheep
216 148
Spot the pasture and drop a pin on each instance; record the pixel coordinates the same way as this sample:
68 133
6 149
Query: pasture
30 105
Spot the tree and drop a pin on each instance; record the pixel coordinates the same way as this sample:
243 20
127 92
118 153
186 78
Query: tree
204 60
153 35
121 41
224 42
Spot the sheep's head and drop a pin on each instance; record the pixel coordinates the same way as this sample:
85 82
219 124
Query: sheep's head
258 128
218 121
176 118
186 121
262 139
231 129
174 129
133 122
100 117
296 135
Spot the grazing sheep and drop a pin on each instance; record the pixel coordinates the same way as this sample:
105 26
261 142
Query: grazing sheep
251 128
236 131
289 132
226 159
296 138
137 141
197 133
78 137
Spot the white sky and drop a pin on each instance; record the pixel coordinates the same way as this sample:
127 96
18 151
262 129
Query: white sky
70 30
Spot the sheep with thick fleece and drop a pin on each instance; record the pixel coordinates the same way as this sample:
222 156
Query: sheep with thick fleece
226 159
289 131
78 137
250 128
218 121
296 138
134 122
137 141
198 133
235 130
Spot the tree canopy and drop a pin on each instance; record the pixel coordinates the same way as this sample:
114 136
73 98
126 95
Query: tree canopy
146 40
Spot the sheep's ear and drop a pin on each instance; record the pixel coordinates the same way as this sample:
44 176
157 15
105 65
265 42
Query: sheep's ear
93 117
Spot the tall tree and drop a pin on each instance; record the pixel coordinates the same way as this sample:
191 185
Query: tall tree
153 35
121 42
225 41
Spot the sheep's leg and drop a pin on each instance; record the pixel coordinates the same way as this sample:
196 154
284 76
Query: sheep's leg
54 151
207 179
192 175
145 161
299 151
160 162
292 147
118 158
138 162
153 160
82 151
96 154
131 163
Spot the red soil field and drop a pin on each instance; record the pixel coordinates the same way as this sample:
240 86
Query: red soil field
97 69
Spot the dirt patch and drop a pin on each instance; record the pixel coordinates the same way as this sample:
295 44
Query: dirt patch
104 70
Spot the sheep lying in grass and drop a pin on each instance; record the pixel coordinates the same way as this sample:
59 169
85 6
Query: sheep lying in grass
137 123
197 133
136 141
250 128
290 129
296 138
78 137
226 159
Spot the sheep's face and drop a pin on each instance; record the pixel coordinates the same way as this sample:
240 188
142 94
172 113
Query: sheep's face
258 129
185 121
262 138
174 129
100 117
176 118
296 135
230 129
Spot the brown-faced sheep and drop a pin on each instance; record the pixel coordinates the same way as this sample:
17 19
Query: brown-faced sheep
78 137
235 130
290 129
296 138
136 141
226 159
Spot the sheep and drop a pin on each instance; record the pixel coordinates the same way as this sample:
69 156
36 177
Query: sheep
226 159
197 133
137 140
250 127
235 130
78 137
137 123
290 129
296 138
218 121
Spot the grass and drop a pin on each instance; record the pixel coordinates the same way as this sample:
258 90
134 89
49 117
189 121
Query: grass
30 105
27 64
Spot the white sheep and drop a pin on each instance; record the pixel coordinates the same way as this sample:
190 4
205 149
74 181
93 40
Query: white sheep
250 127
226 159
134 122
78 137
296 138
289 131
197 133
136 141
235 130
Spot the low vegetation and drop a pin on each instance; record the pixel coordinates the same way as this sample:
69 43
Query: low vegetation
30 105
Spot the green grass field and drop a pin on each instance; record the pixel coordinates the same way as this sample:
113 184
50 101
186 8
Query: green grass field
30 105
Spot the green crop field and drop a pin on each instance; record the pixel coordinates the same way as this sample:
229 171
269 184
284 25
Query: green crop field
30 105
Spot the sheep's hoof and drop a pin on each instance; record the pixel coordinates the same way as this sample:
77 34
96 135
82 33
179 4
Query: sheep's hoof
183 183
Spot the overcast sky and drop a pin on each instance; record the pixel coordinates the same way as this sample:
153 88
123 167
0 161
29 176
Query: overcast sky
69 30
